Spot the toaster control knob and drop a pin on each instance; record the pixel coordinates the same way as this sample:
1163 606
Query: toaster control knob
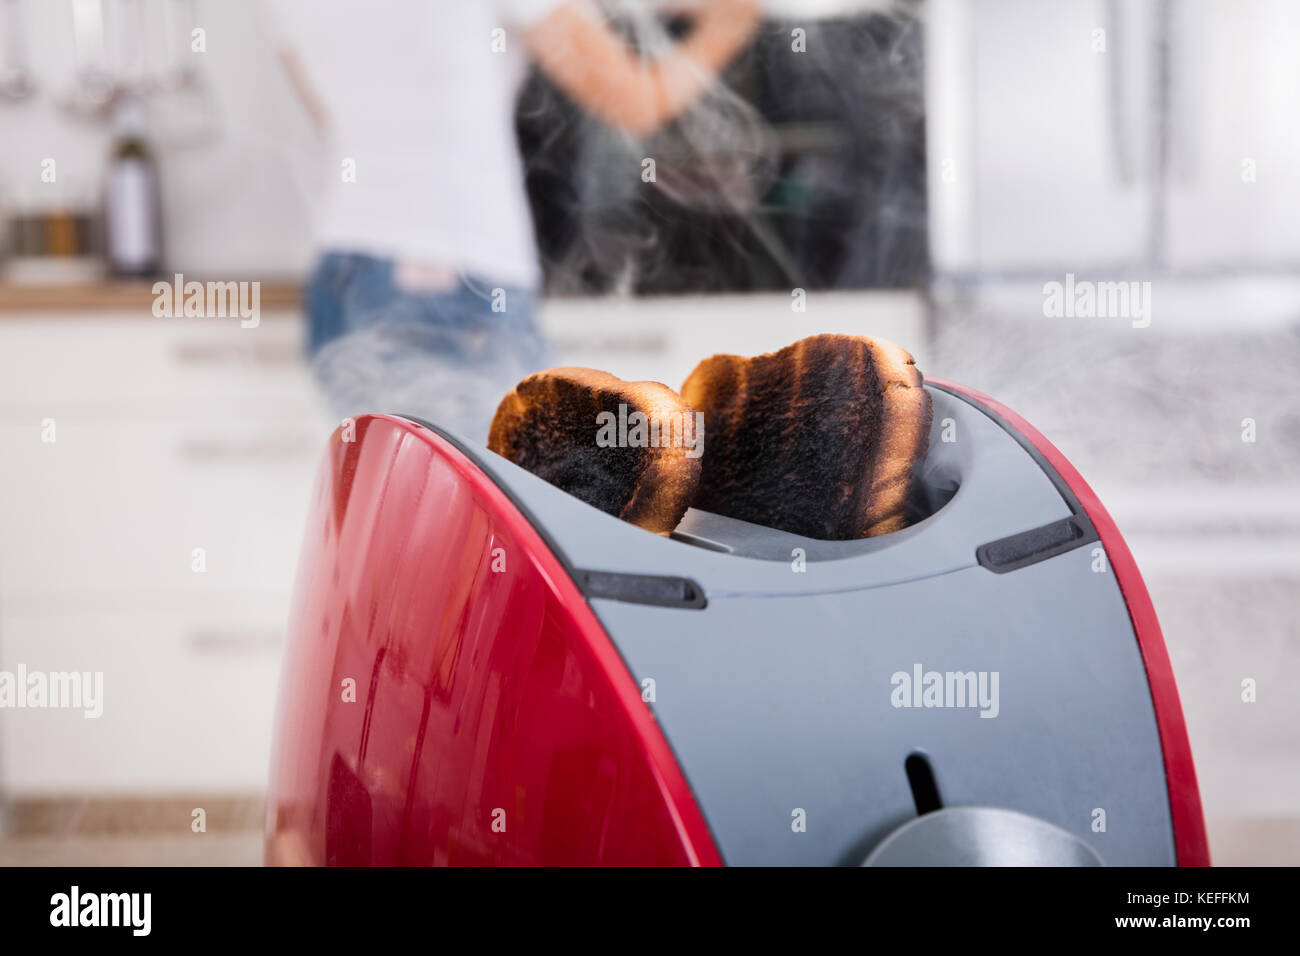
981 836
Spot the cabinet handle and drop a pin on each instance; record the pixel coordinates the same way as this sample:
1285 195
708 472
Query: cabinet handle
268 448
649 343
228 641
1116 96
255 354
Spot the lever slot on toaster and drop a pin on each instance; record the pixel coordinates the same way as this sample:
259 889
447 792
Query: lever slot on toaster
1036 544
659 590
920 777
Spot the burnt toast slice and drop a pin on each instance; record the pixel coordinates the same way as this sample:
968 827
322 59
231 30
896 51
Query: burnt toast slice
820 439
631 449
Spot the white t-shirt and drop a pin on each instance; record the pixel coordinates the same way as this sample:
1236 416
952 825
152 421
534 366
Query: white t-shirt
421 99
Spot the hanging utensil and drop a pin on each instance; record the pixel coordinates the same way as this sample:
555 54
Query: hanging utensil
94 87
16 79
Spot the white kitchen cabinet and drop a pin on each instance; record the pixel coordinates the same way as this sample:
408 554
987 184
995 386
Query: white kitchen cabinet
1104 137
170 435
130 366
1038 156
1233 189
120 505
188 696
662 338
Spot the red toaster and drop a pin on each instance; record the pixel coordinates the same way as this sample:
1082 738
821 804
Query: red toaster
483 669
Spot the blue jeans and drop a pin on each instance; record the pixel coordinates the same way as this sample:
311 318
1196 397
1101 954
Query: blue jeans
448 356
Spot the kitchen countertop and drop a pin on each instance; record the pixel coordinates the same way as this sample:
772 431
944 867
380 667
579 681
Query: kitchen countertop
110 296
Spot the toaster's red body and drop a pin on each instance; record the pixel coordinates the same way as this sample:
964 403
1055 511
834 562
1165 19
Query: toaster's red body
437 711
450 697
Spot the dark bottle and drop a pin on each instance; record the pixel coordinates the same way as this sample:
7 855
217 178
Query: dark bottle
132 215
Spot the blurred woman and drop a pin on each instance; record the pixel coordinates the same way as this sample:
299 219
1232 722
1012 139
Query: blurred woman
422 299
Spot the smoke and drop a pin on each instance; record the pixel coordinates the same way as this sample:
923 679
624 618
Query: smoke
803 165
1133 406
453 377
719 155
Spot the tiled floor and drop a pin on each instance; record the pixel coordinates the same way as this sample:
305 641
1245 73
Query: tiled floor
197 849
1234 842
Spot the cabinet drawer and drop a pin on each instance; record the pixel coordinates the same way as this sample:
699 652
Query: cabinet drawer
155 368
109 507
187 694
663 338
